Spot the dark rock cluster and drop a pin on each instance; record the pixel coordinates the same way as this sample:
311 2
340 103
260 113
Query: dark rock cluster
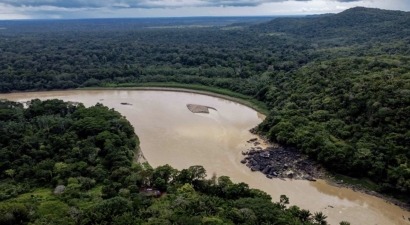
281 162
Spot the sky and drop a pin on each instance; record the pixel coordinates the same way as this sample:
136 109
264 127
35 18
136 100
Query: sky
69 9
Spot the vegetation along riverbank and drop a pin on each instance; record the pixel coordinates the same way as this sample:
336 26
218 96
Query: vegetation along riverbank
192 88
336 86
68 164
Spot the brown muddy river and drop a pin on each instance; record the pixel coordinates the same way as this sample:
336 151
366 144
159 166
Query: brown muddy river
171 134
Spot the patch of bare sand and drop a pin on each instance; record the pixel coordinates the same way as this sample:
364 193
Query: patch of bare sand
199 108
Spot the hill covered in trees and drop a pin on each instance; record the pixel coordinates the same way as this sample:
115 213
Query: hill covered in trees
355 25
337 85
347 108
86 156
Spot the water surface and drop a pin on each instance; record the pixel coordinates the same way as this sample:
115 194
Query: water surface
171 134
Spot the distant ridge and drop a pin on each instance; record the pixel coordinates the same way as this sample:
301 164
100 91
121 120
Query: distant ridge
357 22
358 15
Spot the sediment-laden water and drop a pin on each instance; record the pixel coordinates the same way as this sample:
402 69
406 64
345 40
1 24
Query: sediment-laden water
171 134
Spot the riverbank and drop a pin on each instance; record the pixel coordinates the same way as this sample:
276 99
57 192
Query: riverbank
280 162
338 180
189 88
171 134
358 185
333 179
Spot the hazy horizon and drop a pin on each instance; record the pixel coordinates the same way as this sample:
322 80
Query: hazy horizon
106 9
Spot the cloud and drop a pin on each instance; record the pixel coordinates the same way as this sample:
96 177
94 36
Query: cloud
46 9
240 3
143 3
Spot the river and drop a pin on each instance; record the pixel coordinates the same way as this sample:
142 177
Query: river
171 134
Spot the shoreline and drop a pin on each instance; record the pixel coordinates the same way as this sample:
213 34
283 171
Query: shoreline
327 178
331 180
187 89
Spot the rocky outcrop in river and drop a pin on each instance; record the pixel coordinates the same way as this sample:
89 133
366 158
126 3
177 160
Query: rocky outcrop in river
281 162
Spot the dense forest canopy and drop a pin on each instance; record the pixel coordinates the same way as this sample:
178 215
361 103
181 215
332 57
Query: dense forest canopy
86 155
356 25
337 85
51 141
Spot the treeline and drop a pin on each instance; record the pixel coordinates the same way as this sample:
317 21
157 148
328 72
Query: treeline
337 85
86 156
51 60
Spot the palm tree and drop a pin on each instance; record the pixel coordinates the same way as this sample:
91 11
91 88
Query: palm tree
304 215
320 218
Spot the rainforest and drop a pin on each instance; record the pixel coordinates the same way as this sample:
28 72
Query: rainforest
334 86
